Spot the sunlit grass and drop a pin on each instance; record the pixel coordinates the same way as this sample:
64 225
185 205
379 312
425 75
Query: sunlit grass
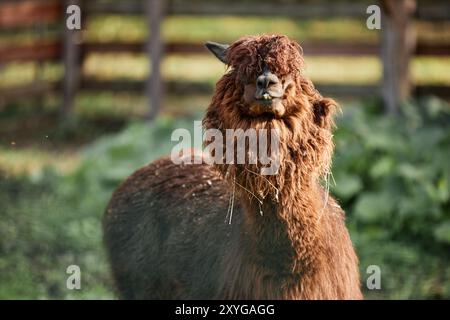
198 29
344 69
105 28
229 28
116 66
193 68
225 28
324 69
431 70
198 68
32 160
20 73
204 68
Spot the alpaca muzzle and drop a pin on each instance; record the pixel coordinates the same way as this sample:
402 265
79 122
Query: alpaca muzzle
268 87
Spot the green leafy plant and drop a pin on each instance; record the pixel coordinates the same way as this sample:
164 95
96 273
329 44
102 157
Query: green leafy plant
392 178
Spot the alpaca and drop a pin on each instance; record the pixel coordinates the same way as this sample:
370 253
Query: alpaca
168 228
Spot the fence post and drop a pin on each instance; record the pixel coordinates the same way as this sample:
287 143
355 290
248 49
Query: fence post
398 41
154 86
71 57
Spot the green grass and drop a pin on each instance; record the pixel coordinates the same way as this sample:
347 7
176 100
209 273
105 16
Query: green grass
42 233
391 178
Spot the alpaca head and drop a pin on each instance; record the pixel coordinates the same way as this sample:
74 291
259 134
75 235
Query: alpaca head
265 88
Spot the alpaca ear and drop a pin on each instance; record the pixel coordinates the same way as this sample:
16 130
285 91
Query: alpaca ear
218 49
324 110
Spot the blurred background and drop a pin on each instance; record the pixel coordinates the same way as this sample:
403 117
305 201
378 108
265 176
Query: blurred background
82 109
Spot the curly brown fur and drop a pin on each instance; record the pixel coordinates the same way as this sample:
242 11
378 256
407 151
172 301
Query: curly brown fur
166 227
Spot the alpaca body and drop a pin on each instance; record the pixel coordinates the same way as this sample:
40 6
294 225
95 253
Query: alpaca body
169 237
167 228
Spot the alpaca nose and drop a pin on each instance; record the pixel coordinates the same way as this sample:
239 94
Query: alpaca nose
266 80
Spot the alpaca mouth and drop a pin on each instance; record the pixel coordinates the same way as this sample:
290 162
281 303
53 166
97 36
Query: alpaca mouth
267 97
267 102
272 106
268 106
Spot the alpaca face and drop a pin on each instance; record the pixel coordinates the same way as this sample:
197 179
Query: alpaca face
265 95
266 67
265 89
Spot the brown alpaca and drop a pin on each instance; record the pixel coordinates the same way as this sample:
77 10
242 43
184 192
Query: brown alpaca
167 227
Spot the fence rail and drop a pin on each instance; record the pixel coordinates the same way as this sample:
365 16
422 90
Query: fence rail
70 50
23 14
52 50
430 12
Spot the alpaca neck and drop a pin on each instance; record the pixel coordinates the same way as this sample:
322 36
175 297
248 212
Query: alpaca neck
286 233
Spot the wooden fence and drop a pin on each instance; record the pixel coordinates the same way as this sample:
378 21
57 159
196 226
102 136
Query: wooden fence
396 47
